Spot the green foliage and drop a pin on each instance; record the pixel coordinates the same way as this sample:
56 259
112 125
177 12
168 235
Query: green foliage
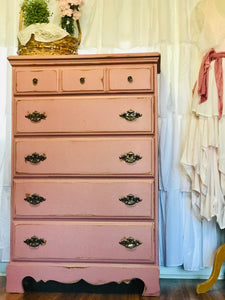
35 11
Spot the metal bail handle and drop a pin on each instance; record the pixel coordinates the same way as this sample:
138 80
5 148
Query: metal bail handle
131 115
130 243
36 117
34 199
35 158
130 157
35 242
130 200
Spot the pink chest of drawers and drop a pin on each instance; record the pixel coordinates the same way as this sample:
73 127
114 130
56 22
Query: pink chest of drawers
84 170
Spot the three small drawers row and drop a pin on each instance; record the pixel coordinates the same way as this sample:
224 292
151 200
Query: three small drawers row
78 80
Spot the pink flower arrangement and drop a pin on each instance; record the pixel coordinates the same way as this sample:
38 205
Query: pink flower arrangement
70 8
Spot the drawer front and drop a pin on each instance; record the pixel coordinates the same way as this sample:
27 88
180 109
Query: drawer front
78 80
130 79
87 198
81 241
85 115
85 156
36 80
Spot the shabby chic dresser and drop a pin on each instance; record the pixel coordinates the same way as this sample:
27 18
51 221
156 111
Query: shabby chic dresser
84 169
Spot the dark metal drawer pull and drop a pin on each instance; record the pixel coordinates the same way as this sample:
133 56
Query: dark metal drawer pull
35 81
82 80
130 200
130 157
35 242
36 116
34 199
35 158
130 115
130 79
130 243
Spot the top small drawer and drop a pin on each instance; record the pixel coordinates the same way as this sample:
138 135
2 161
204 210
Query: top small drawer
131 79
36 80
82 80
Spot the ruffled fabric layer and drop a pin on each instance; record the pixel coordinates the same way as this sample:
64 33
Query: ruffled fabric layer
203 160
204 154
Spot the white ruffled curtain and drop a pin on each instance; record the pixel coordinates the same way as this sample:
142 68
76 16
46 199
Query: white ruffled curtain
134 26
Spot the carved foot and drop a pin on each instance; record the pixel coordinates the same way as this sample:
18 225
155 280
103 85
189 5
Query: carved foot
218 261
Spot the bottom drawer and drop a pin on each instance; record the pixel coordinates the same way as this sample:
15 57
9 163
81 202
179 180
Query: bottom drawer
84 241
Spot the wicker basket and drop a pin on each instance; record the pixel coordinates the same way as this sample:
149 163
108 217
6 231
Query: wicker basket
68 45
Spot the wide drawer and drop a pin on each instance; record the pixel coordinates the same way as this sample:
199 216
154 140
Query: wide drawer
81 241
85 115
85 156
36 80
131 78
86 198
85 79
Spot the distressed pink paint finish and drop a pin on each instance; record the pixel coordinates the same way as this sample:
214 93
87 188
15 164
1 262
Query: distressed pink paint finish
83 79
128 78
102 115
35 80
84 241
96 155
87 198
92 273
83 178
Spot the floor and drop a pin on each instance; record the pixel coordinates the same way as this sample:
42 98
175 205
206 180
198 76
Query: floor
171 289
